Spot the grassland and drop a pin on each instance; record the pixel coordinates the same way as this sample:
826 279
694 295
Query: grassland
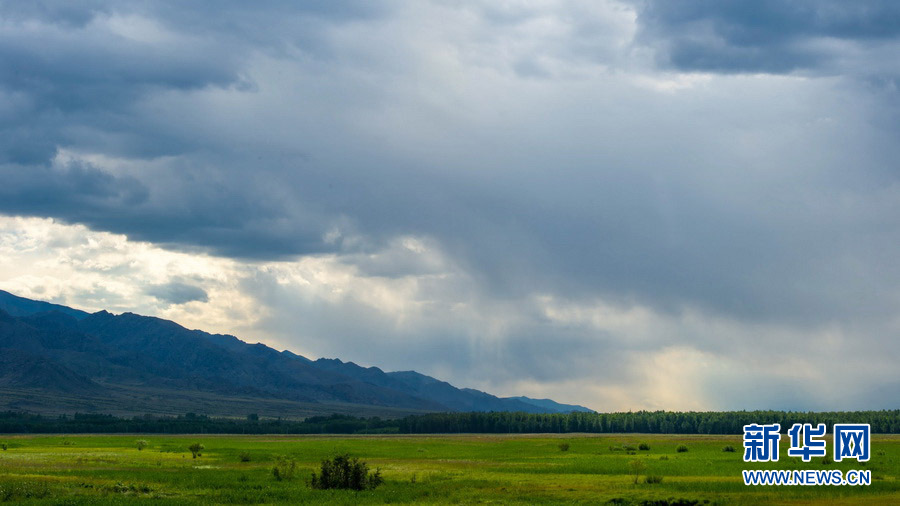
463 469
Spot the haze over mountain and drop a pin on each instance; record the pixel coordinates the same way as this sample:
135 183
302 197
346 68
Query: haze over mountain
57 359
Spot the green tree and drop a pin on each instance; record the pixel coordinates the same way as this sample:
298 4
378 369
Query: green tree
196 449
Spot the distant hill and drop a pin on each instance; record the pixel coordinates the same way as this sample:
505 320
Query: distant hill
57 359
20 306
552 406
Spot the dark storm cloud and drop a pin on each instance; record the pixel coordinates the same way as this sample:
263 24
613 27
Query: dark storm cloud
177 292
561 210
76 73
72 79
764 36
74 191
280 129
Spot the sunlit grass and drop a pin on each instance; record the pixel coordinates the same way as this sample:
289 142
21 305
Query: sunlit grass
461 469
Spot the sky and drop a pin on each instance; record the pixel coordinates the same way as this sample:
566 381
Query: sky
684 205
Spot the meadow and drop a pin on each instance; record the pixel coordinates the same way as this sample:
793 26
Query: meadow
463 469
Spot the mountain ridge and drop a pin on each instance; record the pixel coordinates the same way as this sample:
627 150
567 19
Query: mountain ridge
129 355
20 306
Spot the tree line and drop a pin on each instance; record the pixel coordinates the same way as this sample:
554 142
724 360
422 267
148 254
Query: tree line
649 422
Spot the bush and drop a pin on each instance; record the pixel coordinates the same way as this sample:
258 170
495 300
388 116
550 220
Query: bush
664 457
681 449
651 479
141 444
20 491
636 467
644 447
244 457
122 488
4 446
563 447
196 449
729 449
348 473
629 448
285 468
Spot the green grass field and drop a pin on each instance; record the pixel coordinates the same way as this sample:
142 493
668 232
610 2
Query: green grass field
418 469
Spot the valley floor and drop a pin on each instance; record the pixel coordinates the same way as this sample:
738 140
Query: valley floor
464 469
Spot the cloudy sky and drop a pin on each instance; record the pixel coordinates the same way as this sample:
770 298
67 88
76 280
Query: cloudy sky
623 204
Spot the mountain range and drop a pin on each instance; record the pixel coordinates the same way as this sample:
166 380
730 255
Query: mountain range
56 359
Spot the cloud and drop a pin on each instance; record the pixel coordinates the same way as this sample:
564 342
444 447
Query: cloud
75 190
767 36
178 293
614 186
440 321
72 265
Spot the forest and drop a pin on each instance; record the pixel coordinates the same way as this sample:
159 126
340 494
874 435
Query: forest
647 422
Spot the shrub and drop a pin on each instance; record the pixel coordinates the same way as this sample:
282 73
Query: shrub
244 456
615 448
196 449
644 447
345 472
4 446
563 447
285 468
681 449
141 444
636 467
122 488
629 448
664 457
729 449
651 479
16 492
